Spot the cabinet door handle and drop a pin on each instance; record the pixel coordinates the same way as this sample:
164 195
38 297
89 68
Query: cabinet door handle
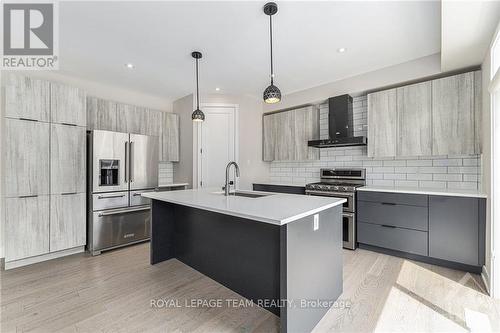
68 124
28 196
68 193
388 226
388 203
28 119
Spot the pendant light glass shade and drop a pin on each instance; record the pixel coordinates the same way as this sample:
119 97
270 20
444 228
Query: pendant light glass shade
197 114
272 94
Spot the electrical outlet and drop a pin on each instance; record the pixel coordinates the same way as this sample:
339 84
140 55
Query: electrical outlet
316 222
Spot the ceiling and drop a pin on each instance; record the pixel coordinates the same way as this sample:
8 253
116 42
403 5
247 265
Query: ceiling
97 39
467 30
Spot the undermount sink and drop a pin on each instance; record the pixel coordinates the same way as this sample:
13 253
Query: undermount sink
248 195
245 194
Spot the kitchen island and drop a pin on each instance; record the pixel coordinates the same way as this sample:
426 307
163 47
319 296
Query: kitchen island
282 251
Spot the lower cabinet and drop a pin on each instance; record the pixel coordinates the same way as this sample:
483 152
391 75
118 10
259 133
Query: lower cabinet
454 229
440 229
26 227
67 221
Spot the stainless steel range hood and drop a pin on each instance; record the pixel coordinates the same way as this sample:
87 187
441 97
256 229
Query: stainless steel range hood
340 125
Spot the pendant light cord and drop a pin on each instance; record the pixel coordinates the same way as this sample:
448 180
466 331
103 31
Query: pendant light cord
197 88
271 40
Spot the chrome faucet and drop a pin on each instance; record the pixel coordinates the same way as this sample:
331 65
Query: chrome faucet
228 167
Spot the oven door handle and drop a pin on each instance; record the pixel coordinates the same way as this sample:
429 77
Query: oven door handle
350 215
123 211
330 194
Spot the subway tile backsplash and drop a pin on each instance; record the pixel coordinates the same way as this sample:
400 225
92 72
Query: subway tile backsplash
457 172
165 173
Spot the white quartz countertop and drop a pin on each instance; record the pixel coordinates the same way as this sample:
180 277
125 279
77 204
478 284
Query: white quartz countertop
274 208
428 191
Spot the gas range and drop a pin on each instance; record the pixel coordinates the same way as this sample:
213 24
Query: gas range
341 183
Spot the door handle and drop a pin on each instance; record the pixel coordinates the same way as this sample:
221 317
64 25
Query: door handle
388 203
126 161
110 196
130 157
68 193
123 211
27 196
69 124
388 226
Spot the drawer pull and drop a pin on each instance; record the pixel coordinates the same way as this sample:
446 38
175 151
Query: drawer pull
69 124
68 193
28 119
111 196
27 196
388 204
388 226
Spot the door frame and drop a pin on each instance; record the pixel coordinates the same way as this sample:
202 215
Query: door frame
197 167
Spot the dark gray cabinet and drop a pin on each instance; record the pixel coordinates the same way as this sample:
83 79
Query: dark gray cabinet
442 230
454 229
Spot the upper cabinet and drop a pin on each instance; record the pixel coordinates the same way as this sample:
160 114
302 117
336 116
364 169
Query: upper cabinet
453 127
169 137
67 105
286 134
27 98
131 119
382 125
414 120
101 114
438 117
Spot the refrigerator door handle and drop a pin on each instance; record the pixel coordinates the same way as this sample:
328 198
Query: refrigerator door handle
131 165
126 157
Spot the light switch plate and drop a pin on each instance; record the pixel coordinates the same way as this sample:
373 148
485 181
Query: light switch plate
316 222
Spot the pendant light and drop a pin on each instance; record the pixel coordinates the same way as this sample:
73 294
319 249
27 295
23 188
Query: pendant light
272 94
197 115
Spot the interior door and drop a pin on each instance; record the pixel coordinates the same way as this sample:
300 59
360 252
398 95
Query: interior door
143 161
217 145
109 150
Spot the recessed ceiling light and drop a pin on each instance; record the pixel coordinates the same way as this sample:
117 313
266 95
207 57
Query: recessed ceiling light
217 89
130 66
341 50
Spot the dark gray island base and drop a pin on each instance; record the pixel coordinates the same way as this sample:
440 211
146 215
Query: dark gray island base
267 263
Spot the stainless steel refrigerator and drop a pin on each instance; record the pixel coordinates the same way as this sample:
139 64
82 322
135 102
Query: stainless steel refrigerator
121 166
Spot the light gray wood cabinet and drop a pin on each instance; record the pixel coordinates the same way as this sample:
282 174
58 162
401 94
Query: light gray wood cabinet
67 105
26 227
478 111
27 98
68 159
306 128
286 134
26 157
170 137
269 130
131 119
414 120
382 124
101 114
284 148
67 221
453 115
153 122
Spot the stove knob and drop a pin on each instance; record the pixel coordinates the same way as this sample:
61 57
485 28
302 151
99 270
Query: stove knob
336 188
346 188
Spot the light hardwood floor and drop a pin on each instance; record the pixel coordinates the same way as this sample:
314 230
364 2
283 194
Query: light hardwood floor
113 293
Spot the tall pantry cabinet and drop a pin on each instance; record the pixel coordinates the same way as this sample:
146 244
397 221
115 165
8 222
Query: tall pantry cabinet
45 150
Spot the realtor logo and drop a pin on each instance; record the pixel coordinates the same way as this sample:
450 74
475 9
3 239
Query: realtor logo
29 36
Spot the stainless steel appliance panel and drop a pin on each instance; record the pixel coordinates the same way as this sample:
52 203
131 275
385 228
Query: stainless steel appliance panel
349 230
143 161
114 228
101 201
109 146
137 200
349 206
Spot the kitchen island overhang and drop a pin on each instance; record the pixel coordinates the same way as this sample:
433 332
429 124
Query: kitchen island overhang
268 249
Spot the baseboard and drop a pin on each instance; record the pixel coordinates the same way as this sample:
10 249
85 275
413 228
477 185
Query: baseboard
44 257
485 275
